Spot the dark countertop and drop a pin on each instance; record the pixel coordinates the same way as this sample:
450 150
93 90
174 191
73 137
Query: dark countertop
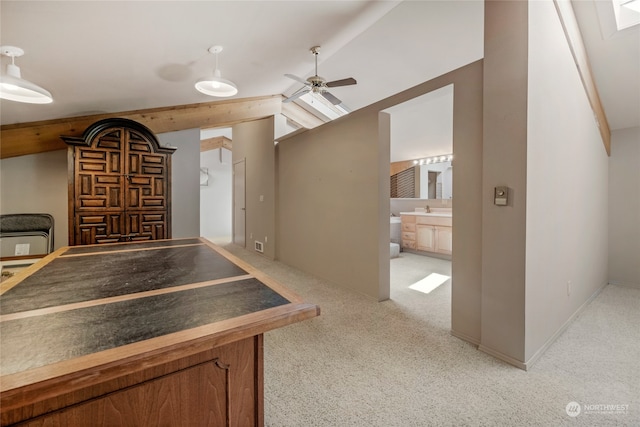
89 299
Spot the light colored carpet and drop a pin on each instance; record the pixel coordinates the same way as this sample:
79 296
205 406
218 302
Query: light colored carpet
364 363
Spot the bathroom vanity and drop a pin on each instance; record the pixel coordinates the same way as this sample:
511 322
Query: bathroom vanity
427 232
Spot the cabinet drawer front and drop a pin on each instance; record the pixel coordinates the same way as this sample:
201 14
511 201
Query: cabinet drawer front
408 227
406 235
408 218
434 220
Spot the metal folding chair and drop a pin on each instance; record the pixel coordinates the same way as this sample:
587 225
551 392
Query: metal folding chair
28 224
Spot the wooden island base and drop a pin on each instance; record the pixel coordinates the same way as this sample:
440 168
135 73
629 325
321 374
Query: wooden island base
218 387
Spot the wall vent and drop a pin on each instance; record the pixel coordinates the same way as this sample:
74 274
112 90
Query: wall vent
259 246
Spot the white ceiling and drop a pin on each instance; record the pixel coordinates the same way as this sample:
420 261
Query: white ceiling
110 56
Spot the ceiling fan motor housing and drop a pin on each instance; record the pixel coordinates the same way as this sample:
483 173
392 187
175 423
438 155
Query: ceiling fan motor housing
317 83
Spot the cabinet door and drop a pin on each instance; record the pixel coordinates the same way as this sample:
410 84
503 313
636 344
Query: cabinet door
425 237
145 225
444 240
146 181
98 227
98 180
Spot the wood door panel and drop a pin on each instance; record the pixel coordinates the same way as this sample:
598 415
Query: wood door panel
120 169
144 192
103 160
146 226
98 191
99 227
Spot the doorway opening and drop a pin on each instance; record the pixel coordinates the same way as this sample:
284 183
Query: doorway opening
216 185
421 142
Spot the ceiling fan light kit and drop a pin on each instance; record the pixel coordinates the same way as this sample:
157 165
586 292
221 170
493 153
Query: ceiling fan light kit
317 84
216 85
14 88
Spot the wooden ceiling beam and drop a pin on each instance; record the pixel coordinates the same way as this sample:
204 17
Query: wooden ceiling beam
38 137
215 143
300 116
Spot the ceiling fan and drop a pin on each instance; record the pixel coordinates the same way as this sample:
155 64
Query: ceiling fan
317 84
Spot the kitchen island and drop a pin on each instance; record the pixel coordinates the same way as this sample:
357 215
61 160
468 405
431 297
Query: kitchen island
166 332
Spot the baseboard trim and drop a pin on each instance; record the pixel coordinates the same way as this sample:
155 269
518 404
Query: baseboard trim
533 359
625 284
465 337
498 355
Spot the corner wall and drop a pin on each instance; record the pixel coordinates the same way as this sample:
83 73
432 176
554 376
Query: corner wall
504 164
624 208
253 141
567 185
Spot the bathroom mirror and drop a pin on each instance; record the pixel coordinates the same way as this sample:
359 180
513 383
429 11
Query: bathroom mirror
421 146
426 181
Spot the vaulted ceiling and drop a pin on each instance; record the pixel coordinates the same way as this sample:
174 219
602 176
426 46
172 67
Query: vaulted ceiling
99 57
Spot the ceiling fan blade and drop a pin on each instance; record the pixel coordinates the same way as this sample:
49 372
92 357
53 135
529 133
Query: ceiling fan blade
298 94
343 82
298 79
331 98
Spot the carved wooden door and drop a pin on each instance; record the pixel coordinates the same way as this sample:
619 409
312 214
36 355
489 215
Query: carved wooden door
119 185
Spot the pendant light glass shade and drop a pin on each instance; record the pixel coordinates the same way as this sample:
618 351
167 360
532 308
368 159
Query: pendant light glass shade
216 85
14 88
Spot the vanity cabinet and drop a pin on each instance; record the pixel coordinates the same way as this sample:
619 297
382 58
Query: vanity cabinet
408 223
427 233
425 238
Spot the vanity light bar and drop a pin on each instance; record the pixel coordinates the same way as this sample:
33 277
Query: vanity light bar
434 159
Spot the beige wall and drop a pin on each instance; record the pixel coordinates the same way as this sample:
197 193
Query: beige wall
624 208
541 140
333 197
567 184
328 205
37 183
504 164
253 142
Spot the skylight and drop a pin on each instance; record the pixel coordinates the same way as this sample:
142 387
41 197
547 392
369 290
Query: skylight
627 13
323 106
617 16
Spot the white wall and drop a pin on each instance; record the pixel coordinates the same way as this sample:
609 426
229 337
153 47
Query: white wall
37 183
624 207
216 197
567 174
185 181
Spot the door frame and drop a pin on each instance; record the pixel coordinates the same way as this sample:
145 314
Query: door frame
239 209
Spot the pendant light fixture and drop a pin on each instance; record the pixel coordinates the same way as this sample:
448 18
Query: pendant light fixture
216 85
13 87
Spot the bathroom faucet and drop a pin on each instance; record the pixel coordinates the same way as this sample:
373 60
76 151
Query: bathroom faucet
427 209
